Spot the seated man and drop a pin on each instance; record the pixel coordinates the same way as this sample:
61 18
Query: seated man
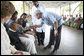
26 38
14 37
13 18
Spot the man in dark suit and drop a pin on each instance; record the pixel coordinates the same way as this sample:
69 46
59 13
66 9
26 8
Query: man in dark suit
14 37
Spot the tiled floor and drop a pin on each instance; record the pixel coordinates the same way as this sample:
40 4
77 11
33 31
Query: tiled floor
71 43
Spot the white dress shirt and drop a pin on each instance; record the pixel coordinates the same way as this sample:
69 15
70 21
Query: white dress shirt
42 9
38 22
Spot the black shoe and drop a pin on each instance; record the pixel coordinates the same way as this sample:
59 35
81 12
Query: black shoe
52 52
48 46
42 44
39 44
33 54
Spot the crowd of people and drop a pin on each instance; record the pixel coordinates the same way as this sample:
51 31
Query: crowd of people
18 35
7 44
76 22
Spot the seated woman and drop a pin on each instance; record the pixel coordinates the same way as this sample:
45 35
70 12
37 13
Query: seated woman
23 17
14 37
24 24
22 29
29 40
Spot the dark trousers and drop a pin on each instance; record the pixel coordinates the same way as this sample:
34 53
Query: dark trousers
52 38
58 39
55 39
20 46
40 37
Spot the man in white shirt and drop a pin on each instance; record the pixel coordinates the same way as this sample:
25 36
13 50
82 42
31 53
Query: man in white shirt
40 30
55 21
7 9
37 6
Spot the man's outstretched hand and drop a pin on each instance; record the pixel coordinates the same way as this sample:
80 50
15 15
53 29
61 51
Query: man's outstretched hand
19 53
31 27
55 32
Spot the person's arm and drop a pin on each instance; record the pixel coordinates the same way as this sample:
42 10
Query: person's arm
56 28
13 50
18 53
23 35
56 25
29 32
32 33
35 26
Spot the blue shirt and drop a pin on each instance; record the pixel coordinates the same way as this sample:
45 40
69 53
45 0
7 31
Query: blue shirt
50 18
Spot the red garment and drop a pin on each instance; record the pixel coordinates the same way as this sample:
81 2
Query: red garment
78 19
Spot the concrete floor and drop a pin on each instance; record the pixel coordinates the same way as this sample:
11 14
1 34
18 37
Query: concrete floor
71 43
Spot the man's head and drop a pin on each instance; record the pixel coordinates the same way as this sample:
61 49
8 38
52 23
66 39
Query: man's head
35 3
14 16
70 15
79 15
76 15
14 26
24 15
38 14
7 9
